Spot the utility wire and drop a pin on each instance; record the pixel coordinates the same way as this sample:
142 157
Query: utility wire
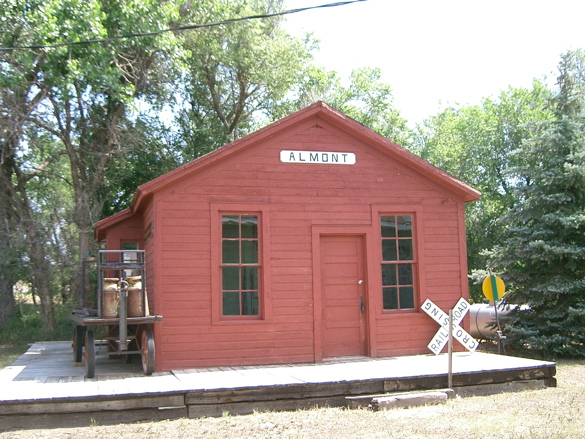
180 28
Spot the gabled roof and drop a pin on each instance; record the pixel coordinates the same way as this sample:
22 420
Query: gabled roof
396 152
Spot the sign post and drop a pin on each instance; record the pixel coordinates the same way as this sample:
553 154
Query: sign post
450 350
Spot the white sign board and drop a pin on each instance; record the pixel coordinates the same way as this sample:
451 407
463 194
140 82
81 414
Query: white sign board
322 157
442 336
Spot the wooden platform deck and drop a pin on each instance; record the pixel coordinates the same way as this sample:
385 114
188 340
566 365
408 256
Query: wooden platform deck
45 385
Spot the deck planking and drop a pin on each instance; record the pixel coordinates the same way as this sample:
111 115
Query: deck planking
45 381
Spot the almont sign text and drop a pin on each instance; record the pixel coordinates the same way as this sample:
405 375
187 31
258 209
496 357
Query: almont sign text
322 157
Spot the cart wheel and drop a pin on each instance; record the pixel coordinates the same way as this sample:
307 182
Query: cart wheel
78 335
147 350
89 354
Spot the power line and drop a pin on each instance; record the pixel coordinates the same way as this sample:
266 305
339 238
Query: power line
177 29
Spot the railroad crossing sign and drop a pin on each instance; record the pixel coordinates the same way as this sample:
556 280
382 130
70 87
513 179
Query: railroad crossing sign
441 338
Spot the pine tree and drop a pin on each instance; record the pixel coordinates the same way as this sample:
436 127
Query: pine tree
542 259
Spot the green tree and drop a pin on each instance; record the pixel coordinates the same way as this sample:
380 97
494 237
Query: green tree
543 256
234 72
22 91
97 88
152 150
474 144
232 75
73 101
366 98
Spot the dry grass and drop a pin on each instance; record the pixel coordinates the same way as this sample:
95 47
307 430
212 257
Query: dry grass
9 354
553 413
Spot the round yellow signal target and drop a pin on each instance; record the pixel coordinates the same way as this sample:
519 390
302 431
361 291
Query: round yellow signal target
493 288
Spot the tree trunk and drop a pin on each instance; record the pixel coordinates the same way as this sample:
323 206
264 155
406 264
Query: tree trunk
7 275
85 231
6 300
41 270
22 218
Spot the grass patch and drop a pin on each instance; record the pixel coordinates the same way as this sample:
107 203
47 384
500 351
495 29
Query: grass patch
9 354
26 327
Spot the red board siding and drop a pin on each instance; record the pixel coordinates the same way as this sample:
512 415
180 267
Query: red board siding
294 199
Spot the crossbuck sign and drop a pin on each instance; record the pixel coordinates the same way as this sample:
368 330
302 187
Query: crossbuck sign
442 336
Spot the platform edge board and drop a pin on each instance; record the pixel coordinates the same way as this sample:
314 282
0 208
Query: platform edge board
246 408
92 404
87 419
280 392
546 373
493 389
363 387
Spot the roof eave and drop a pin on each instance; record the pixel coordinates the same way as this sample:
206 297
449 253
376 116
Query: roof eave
104 224
406 157
146 190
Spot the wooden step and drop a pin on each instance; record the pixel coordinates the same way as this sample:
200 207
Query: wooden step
388 401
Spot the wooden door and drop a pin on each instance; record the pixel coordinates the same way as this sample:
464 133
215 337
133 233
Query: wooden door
343 294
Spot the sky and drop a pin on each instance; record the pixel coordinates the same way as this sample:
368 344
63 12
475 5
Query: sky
437 53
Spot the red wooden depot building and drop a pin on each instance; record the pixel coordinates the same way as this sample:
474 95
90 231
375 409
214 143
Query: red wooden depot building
309 239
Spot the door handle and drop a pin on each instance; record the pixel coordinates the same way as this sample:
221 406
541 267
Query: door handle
360 282
362 307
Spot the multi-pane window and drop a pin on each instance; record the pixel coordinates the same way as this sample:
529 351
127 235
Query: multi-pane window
240 267
398 262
